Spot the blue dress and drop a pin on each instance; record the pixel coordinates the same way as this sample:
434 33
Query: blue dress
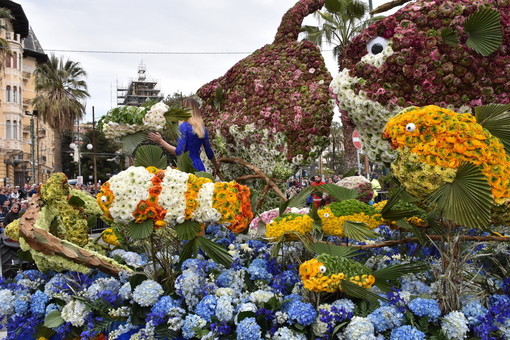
189 141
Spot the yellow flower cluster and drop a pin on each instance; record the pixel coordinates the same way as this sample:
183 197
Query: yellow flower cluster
194 185
444 138
316 280
109 237
105 199
300 223
334 225
232 201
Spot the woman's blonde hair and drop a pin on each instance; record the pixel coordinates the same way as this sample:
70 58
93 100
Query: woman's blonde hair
196 121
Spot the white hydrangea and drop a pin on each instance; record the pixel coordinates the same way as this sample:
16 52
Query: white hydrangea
285 333
7 299
147 293
359 328
75 312
261 296
454 325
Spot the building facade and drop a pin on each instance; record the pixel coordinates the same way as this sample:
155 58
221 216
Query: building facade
139 91
26 143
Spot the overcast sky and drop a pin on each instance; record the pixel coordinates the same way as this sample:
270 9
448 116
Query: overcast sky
155 26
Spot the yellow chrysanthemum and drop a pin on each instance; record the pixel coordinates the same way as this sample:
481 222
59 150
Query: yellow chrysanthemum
287 223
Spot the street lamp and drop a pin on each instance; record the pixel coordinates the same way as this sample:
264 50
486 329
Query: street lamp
77 154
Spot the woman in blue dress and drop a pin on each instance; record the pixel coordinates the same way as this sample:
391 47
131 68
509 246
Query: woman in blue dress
193 135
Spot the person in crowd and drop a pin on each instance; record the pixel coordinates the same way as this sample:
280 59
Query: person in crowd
315 181
13 214
16 194
3 196
193 135
6 207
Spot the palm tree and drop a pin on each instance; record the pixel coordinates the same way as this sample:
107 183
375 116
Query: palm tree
60 94
342 21
4 45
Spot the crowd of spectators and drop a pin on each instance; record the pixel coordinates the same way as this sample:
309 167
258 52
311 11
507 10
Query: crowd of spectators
14 201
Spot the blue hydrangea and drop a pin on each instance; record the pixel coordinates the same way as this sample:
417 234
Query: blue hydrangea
147 293
415 287
454 325
160 309
206 307
407 333
97 289
346 305
22 302
192 322
224 309
51 307
258 270
285 281
38 303
474 312
385 318
301 312
248 329
359 328
425 307
285 333
130 258
7 299
225 278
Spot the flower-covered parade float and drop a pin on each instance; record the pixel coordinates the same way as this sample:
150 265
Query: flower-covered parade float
188 257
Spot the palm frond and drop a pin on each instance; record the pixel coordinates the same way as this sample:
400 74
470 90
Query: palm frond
467 200
353 289
150 155
331 249
130 142
358 231
496 119
185 164
484 31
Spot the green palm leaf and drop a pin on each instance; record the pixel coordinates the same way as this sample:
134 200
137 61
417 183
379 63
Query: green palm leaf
150 155
130 142
140 231
189 250
215 252
331 249
388 213
385 278
450 37
333 5
337 192
484 31
413 229
187 230
353 289
204 174
467 200
184 163
496 119
358 231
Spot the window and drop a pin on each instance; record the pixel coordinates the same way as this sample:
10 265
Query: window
19 61
8 35
8 93
8 134
15 94
20 98
8 61
15 60
14 129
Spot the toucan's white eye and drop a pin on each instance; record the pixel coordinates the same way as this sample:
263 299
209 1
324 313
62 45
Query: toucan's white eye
377 45
322 269
326 215
103 199
410 127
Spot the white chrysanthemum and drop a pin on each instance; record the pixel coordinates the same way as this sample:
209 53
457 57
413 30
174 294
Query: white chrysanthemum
205 212
172 198
129 187
377 60
75 313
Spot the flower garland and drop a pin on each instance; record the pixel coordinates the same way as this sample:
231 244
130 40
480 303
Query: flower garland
173 197
290 222
325 273
334 216
444 138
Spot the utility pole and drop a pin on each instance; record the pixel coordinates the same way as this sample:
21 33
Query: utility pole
94 148
32 147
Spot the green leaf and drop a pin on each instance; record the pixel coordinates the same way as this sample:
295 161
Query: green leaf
496 119
388 213
358 231
484 31
413 229
187 230
298 200
467 200
150 155
174 115
189 250
204 174
353 289
331 249
185 164
92 221
76 201
216 252
337 192
218 98
450 37
53 319
25 255
333 5
394 272
136 280
140 231
130 142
